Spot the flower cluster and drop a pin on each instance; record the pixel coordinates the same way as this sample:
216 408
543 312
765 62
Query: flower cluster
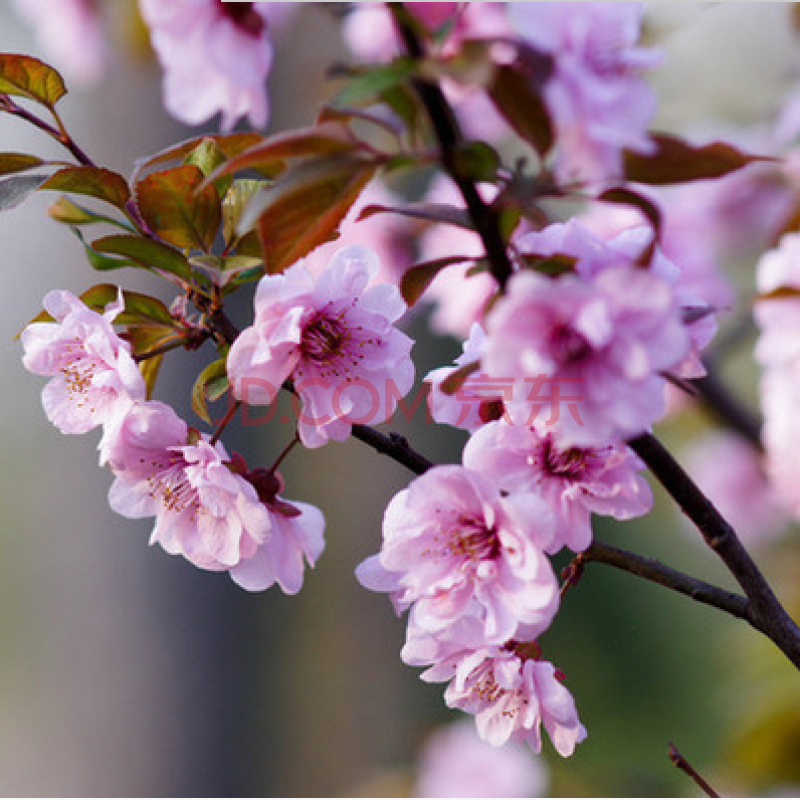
207 507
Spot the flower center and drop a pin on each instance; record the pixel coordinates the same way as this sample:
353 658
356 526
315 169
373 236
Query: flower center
78 372
168 483
473 541
243 16
570 464
323 338
568 345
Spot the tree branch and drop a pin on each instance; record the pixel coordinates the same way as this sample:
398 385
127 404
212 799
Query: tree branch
652 570
764 610
448 134
394 446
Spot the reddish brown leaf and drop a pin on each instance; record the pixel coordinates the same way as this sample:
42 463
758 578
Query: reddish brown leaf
180 207
677 161
304 208
97 182
24 76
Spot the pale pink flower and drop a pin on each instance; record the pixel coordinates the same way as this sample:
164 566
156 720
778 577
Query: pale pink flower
586 356
575 482
204 511
70 32
511 693
296 537
780 399
334 338
94 376
596 98
624 244
370 32
215 57
730 471
478 399
453 539
778 317
456 762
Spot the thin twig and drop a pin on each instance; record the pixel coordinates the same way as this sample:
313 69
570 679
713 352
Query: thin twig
448 134
223 423
682 764
653 570
59 134
394 446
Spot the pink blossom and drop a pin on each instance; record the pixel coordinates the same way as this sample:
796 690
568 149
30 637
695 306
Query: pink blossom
94 376
731 474
332 337
603 342
371 35
452 539
624 244
777 316
511 693
296 536
204 511
70 34
215 57
598 103
575 482
478 399
456 762
780 399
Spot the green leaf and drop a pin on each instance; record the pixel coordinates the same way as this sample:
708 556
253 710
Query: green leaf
150 368
236 199
24 76
18 162
145 252
305 207
16 190
209 381
179 207
100 262
553 265
477 161
418 278
677 161
102 184
139 308
207 156
64 210
368 86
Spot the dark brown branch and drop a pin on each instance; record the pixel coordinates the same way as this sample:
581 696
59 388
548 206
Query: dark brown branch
394 446
764 610
682 764
448 134
652 570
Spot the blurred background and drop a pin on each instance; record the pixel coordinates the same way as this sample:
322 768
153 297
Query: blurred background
124 671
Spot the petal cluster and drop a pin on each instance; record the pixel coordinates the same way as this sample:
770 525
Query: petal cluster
93 375
334 339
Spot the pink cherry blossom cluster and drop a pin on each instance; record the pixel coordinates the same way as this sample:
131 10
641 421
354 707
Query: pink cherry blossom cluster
465 548
207 506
